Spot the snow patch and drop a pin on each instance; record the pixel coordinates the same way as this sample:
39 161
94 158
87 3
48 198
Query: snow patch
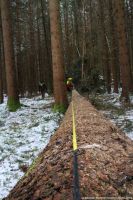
23 134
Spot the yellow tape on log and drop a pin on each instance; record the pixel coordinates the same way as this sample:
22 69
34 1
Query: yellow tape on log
74 130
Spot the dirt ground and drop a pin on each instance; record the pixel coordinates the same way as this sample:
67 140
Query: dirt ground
105 160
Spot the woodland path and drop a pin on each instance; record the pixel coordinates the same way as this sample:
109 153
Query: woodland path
105 160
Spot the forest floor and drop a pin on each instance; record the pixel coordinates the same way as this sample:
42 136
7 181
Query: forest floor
105 160
25 133
110 105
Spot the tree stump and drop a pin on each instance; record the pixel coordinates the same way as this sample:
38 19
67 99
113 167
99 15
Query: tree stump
105 160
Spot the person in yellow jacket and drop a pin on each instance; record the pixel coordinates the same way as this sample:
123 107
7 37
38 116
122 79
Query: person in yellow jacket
69 84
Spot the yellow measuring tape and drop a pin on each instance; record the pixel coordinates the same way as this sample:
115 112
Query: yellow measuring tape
74 129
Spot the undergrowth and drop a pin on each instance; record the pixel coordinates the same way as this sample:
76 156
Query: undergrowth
102 105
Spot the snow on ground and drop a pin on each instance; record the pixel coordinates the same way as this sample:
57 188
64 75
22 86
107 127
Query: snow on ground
23 134
119 114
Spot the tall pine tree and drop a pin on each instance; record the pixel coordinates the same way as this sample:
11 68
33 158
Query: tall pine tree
13 98
57 55
123 50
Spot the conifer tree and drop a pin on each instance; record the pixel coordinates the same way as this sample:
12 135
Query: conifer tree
123 49
57 55
13 98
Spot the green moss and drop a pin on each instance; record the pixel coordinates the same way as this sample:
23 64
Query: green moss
13 104
59 108
33 165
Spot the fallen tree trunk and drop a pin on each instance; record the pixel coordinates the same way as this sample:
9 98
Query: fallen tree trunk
105 160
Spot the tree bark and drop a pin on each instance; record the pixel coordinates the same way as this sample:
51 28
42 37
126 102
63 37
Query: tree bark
105 49
123 50
57 54
32 80
114 48
1 84
1 71
13 98
67 40
20 71
48 62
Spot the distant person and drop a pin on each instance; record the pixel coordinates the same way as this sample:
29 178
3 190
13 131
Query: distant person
42 89
69 84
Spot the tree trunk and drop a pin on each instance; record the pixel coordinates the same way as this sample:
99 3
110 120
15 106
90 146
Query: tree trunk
1 83
1 71
67 40
32 80
48 62
105 49
13 99
41 69
114 53
57 55
20 72
123 50
129 23
76 18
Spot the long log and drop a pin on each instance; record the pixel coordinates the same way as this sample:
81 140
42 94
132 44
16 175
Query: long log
105 160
